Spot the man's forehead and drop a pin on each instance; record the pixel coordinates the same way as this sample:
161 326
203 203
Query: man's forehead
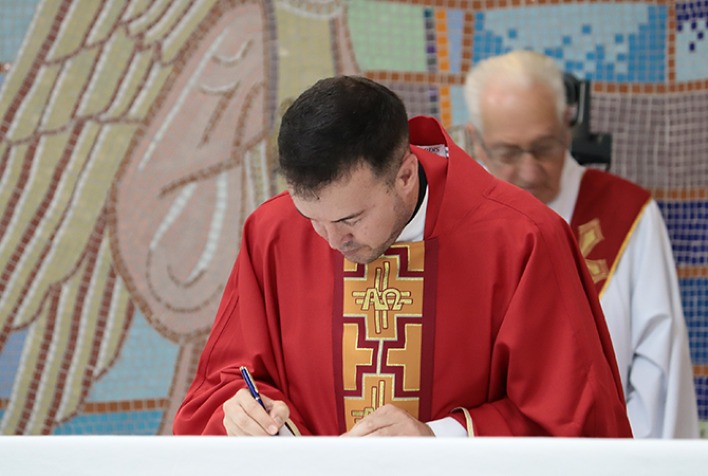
530 127
329 207
510 103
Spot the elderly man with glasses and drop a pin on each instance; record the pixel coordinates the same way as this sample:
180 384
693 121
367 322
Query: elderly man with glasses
520 125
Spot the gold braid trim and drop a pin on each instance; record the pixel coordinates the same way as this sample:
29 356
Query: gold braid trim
468 421
292 427
627 237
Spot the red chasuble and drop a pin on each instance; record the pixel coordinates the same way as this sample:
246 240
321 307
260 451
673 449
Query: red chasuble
601 226
492 319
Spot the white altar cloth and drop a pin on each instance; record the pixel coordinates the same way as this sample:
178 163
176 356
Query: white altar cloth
313 456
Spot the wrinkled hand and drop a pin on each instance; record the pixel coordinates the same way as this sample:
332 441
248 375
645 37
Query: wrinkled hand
390 420
243 415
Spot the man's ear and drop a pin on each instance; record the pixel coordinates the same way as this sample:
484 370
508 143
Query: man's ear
568 116
567 125
469 136
409 165
408 171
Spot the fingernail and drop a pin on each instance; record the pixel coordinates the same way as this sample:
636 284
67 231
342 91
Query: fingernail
272 429
278 421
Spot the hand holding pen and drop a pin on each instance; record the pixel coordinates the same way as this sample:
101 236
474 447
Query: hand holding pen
248 413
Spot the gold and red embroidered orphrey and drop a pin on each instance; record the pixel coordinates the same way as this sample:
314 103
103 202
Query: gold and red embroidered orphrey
605 215
381 339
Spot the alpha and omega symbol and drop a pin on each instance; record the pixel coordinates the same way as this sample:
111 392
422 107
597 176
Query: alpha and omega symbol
381 297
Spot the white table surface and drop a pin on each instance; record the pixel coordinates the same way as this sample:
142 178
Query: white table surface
175 456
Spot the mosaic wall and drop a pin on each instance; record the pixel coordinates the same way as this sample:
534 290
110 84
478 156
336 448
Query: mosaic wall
136 135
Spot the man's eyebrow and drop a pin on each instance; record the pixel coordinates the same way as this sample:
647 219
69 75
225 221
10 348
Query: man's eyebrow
353 215
349 217
543 138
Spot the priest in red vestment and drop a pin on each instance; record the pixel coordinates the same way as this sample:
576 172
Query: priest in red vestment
397 288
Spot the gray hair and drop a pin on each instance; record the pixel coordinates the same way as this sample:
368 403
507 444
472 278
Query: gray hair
520 68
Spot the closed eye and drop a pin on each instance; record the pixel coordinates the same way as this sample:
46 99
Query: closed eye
545 147
350 221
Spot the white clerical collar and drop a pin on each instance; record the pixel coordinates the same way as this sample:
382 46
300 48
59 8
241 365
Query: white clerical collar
572 174
415 228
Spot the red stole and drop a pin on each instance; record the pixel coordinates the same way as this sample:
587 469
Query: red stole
384 332
605 215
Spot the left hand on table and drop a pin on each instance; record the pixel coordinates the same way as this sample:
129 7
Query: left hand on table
390 420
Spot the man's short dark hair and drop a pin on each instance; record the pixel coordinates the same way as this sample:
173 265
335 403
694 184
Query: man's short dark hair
338 124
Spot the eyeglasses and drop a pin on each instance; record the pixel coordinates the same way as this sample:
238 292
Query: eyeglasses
546 149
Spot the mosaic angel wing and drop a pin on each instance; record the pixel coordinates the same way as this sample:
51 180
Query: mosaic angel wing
82 88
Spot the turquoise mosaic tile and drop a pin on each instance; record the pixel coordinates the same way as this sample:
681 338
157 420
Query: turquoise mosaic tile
459 108
118 423
14 22
604 42
455 30
388 36
144 368
431 53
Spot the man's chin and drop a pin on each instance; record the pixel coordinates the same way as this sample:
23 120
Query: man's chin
357 258
539 193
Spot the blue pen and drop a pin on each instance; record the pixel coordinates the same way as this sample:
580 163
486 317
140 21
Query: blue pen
251 385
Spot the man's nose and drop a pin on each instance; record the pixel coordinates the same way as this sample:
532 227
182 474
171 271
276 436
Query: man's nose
528 169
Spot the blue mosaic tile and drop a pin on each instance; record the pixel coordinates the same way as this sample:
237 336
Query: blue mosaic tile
556 53
687 223
702 397
603 42
694 297
9 361
691 45
118 423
